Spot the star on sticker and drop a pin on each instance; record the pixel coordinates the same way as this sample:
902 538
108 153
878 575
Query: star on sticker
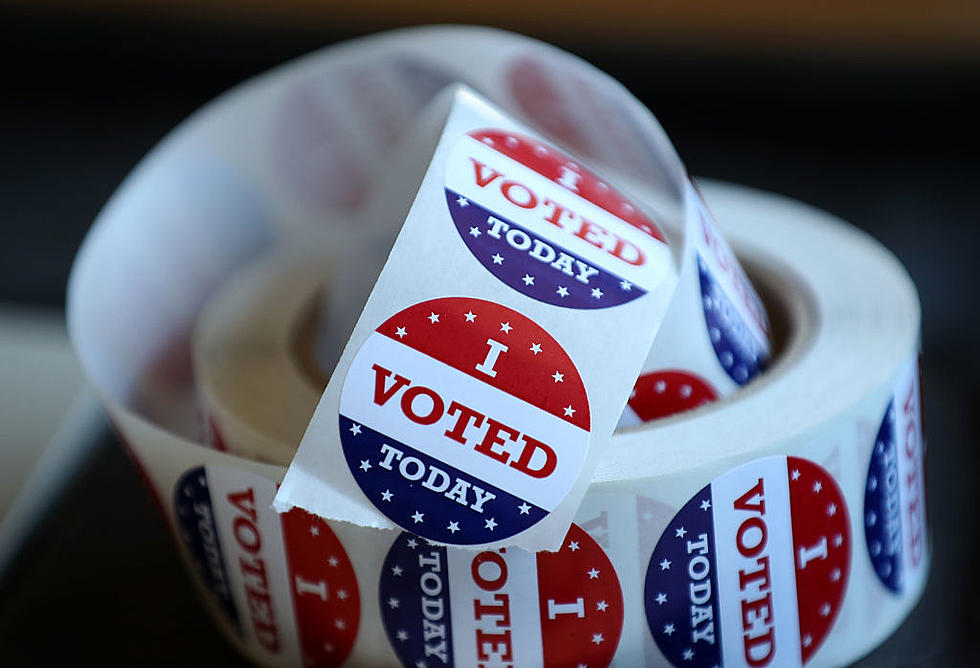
835 575
601 606
594 573
314 530
402 635
660 387
562 291
559 377
597 293
807 640
475 231
470 316
573 545
328 648
497 258
625 285
505 327
342 594
569 411
490 524
454 527
420 663
661 598
365 465
333 561
705 505
401 333
355 429
680 533
795 475
524 508
392 602
688 654
386 495
462 201
396 570
597 638
832 510
412 543
669 629
665 565
838 540
535 348
418 516
512 142
340 624
528 279
817 486
872 483
825 609
433 318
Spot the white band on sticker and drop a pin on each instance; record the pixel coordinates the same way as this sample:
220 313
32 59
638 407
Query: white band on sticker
169 254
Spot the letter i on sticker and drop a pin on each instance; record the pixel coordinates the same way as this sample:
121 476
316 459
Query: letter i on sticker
548 227
463 421
752 570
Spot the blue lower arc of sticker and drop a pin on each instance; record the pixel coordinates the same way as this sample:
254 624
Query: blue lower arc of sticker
526 262
882 506
413 595
409 502
686 607
195 514
730 337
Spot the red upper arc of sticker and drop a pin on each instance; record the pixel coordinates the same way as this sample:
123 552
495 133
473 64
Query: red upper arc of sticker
667 392
821 549
326 600
534 368
554 165
581 603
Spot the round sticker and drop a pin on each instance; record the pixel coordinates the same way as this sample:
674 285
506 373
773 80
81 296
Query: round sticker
452 607
463 421
284 582
894 496
662 393
752 570
548 227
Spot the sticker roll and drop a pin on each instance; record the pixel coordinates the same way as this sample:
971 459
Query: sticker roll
781 525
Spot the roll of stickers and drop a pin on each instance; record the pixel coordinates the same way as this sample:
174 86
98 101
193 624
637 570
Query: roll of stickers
781 525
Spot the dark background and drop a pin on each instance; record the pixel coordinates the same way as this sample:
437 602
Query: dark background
883 137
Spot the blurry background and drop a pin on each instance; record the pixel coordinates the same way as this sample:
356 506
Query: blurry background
869 112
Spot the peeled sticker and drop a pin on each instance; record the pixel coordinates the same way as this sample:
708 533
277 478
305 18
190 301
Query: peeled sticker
466 412
284 582
506 607
464 420
894 498
752 570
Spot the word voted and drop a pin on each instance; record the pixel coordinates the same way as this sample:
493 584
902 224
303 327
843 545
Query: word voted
560 215
467 426
258 599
